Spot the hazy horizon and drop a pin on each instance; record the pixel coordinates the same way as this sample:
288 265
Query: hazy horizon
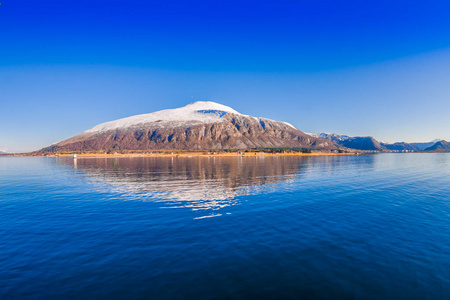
376 69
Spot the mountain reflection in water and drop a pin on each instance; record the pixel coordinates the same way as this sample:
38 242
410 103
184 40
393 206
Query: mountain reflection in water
201 183
342 227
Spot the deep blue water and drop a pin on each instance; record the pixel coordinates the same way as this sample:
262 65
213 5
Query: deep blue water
359 227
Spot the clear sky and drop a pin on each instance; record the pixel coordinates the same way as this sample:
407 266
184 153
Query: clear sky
379 68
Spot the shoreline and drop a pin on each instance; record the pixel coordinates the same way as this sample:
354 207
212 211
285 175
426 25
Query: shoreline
202 154
186 154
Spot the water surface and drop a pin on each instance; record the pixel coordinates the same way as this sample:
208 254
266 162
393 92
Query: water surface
358 227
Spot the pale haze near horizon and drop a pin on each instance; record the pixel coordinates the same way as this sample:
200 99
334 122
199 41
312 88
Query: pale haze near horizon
356 69
400 100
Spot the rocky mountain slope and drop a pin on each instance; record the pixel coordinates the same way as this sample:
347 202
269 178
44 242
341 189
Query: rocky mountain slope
439 146
197 126
401 146
423 146
366 143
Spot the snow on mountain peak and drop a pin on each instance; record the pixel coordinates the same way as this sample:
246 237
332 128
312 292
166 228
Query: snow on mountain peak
200 111
208 105
329 136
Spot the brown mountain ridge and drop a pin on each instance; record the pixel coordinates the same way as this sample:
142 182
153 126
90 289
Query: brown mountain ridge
197 126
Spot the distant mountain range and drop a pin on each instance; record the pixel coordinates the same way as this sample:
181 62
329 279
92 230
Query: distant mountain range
439 146
401 146
368 143
197 126
423 146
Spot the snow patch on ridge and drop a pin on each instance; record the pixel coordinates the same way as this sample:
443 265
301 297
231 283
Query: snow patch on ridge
205 112
200 111
329 136
289 124
316 135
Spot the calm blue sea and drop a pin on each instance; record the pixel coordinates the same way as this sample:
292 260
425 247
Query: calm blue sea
355 227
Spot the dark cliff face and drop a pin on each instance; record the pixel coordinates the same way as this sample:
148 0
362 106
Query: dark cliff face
362 143
439 146
233 131
366 143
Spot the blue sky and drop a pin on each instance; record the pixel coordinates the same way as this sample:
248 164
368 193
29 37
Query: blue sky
377 68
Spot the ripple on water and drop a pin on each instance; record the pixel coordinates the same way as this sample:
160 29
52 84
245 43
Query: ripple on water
275 227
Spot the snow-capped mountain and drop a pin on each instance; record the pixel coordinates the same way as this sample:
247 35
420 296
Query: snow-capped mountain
202 125
196 113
